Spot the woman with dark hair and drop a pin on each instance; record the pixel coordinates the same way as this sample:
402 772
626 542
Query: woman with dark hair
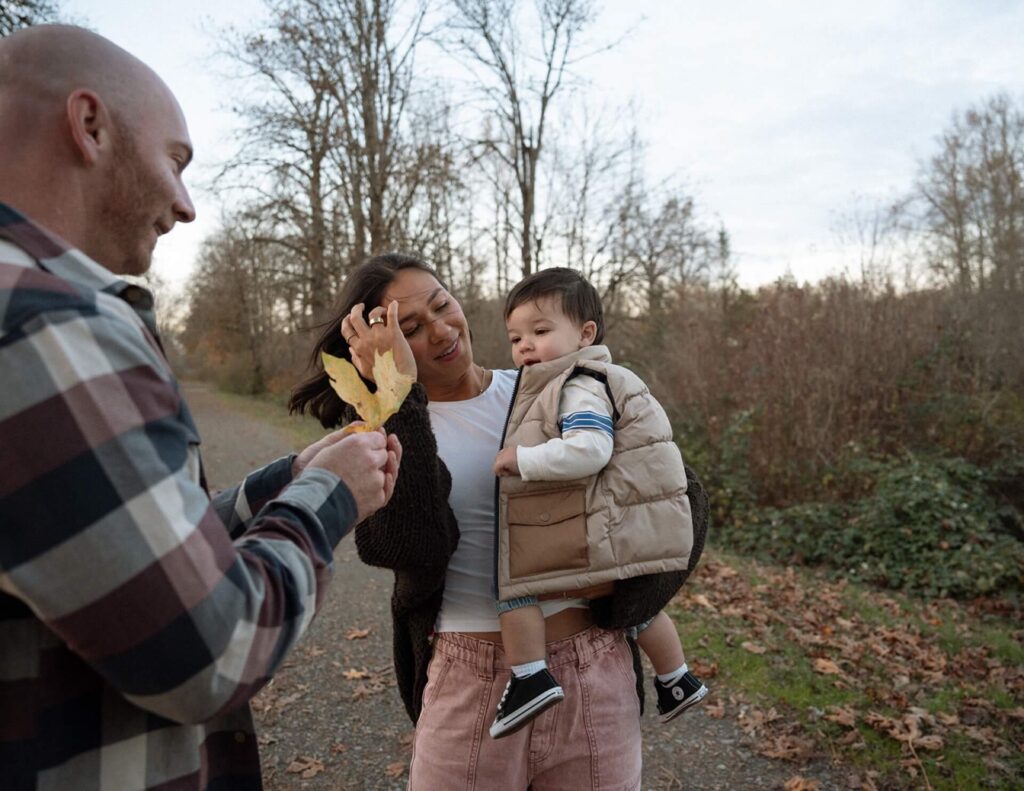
437 535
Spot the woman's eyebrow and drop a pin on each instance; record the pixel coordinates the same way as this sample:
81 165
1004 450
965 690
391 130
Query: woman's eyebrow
430 298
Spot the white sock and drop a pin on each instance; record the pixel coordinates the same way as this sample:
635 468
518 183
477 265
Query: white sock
668 679
522 671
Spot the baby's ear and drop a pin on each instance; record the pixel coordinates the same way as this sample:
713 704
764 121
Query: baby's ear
588 332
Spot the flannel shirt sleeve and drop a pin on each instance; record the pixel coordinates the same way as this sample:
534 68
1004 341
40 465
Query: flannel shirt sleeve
107 537
237 505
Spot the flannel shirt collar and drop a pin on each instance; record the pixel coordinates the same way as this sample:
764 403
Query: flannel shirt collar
58 257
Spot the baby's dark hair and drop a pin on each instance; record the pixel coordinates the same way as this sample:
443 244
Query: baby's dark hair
580 300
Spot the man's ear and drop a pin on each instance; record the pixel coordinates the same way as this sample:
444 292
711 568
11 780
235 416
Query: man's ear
588 332
89 123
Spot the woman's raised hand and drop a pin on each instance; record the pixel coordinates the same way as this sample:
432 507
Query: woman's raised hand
378 334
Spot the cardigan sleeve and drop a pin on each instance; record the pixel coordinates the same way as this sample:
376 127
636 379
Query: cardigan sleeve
416 531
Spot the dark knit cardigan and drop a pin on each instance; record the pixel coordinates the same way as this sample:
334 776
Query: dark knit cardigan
415 536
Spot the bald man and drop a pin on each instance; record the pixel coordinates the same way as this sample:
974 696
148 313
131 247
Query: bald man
137 616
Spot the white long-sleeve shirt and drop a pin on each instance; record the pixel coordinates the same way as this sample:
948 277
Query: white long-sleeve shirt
585 418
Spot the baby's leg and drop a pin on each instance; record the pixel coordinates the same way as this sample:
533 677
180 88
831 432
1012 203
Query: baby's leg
660 641
522 633
531 688
677 688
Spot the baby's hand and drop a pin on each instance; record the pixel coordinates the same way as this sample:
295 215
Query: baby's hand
507 463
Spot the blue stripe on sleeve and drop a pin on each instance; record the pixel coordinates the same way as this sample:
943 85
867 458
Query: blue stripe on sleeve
592 421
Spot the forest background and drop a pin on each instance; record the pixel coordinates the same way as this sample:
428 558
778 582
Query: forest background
869 425
871 422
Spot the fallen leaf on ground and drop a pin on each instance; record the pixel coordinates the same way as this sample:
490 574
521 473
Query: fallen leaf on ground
339 747
287 700
702 670
715 709
827 667
984 735
356 634
306 767
786 748
753 648
366 690
354 675
930 742
397 769
798 783
841 715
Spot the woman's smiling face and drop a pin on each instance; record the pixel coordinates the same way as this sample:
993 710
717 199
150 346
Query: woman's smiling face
434 325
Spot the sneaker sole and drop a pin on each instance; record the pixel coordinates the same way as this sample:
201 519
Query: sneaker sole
523 716
693 700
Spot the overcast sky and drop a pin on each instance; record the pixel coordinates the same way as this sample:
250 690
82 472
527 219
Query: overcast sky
776 113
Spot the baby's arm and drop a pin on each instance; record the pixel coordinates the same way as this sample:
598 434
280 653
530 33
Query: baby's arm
587 436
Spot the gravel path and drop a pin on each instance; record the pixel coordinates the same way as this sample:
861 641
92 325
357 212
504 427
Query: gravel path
332 719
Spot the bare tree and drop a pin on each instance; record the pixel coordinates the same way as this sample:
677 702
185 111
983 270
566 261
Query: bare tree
325 147
876 233
656 240
972 199
589 174
372 73
15 14
234 328
283 160
521 81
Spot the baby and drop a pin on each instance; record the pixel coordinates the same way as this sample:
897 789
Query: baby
552 315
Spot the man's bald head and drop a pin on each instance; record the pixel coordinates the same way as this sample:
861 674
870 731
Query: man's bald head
42 65
94 142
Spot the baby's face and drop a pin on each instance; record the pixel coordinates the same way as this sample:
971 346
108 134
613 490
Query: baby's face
539 331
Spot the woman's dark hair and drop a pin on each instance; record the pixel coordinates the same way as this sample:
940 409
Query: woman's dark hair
580 300
367 284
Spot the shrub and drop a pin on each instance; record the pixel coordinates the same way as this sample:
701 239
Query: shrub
929 524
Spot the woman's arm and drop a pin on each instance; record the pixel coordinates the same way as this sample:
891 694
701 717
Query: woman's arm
416 530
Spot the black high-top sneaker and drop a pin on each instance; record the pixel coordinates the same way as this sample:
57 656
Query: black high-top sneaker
523 699
674 699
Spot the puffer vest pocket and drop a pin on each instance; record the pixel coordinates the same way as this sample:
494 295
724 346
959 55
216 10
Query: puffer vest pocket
547 531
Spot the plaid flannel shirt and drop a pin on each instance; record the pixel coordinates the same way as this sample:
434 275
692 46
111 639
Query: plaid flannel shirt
137 616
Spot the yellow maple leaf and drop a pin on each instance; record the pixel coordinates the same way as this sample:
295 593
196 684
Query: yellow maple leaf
373 408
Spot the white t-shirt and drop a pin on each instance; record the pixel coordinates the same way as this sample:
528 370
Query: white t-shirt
468 439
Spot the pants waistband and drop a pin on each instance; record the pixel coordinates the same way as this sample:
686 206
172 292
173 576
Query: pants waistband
489 658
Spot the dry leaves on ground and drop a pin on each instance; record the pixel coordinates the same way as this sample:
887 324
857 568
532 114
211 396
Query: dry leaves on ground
306 767
893 666
396 769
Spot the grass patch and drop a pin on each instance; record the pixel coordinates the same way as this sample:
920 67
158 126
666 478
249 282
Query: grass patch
865 674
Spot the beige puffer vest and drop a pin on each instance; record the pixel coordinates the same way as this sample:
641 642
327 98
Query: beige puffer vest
631 519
